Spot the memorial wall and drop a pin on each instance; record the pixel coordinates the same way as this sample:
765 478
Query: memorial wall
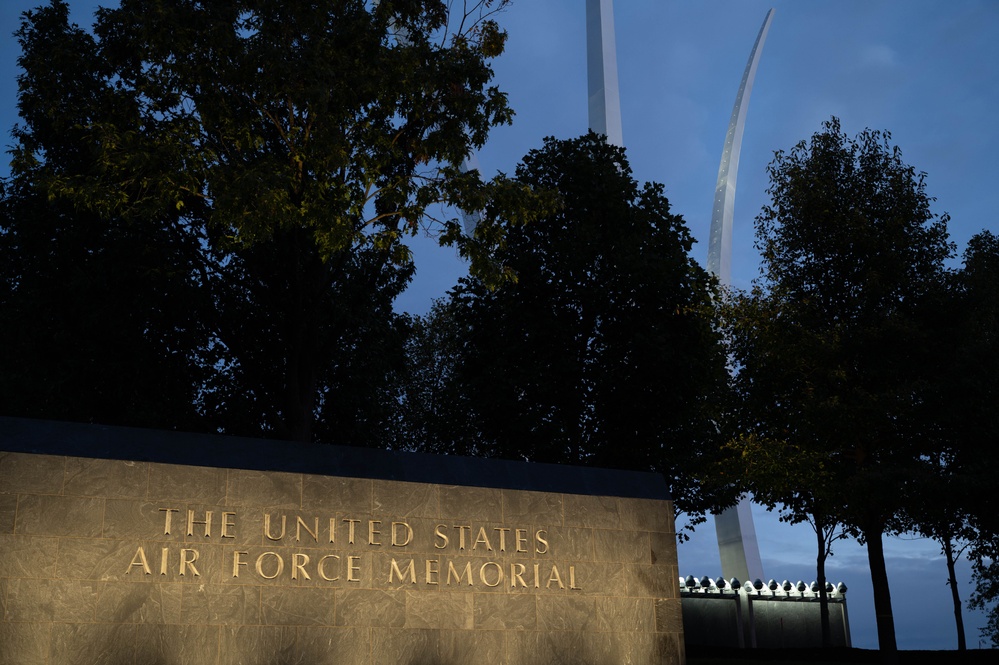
132 546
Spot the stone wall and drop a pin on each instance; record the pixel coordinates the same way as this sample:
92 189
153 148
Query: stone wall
106 560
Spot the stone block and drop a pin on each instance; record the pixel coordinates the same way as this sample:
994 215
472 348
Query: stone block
177 644
26 473
139 603
25 643
370 607
505 612
337 496
92 643
543 509
44 515
220 605
463 505
446 610
172 483
28 556
296 606
401 500
106 478
268 489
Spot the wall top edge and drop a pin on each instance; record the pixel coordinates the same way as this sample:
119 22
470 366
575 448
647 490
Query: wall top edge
146 445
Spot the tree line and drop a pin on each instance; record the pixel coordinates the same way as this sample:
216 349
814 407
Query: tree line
205 229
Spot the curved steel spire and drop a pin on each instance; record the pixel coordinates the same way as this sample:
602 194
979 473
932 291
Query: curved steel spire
737 544
601 67
720 242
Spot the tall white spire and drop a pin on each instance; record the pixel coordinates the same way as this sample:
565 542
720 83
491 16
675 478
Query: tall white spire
601 67
737 544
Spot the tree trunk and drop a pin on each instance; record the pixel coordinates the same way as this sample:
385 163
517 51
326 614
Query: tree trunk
948 547
882 596
820 572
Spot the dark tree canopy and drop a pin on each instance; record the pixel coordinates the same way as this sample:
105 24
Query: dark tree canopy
244 174
603 351
833 344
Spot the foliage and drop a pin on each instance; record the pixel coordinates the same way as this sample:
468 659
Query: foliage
288 148
604 350
833 343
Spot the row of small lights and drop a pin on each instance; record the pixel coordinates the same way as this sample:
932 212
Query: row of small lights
708 585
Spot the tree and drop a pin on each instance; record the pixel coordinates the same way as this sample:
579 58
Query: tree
295 144
833 342
100 316
604 350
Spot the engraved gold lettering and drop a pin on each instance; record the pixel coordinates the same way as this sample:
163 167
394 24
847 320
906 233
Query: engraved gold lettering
482 538
540 540
441 538
187 558
191 522
350 529
502 532
332 529
300 524
521 537
517 574
164 559
139 560
353 567
166 525
394 571
555 577
537 579
267 527
462 530
298 563
499 573
237 561
226 525
260 565
572 579
322 570
372 532
396 541
432 570
457 576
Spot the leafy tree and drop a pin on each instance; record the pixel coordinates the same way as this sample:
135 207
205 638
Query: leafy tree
293 145
604 350
834 340
99 315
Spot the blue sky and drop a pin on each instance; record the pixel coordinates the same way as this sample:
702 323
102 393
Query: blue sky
926 71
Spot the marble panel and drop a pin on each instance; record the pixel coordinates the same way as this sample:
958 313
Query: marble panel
592 511
24 472
646 515
669 615
44 515
260 645
463 505
540 508
657 581
370 607
505 612
444 610
621 546
24 643
572 543
177 645
269 489
92 644
565 612
171 483
139 603
28 556
105 478
51 600
401 500
296 606
333 646
618 615
218 604
8 509
100 559
663 548
128 519
349 497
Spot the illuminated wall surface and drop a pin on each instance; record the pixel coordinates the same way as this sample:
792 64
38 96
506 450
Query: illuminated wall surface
114 551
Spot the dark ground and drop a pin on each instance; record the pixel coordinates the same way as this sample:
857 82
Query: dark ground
837 656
